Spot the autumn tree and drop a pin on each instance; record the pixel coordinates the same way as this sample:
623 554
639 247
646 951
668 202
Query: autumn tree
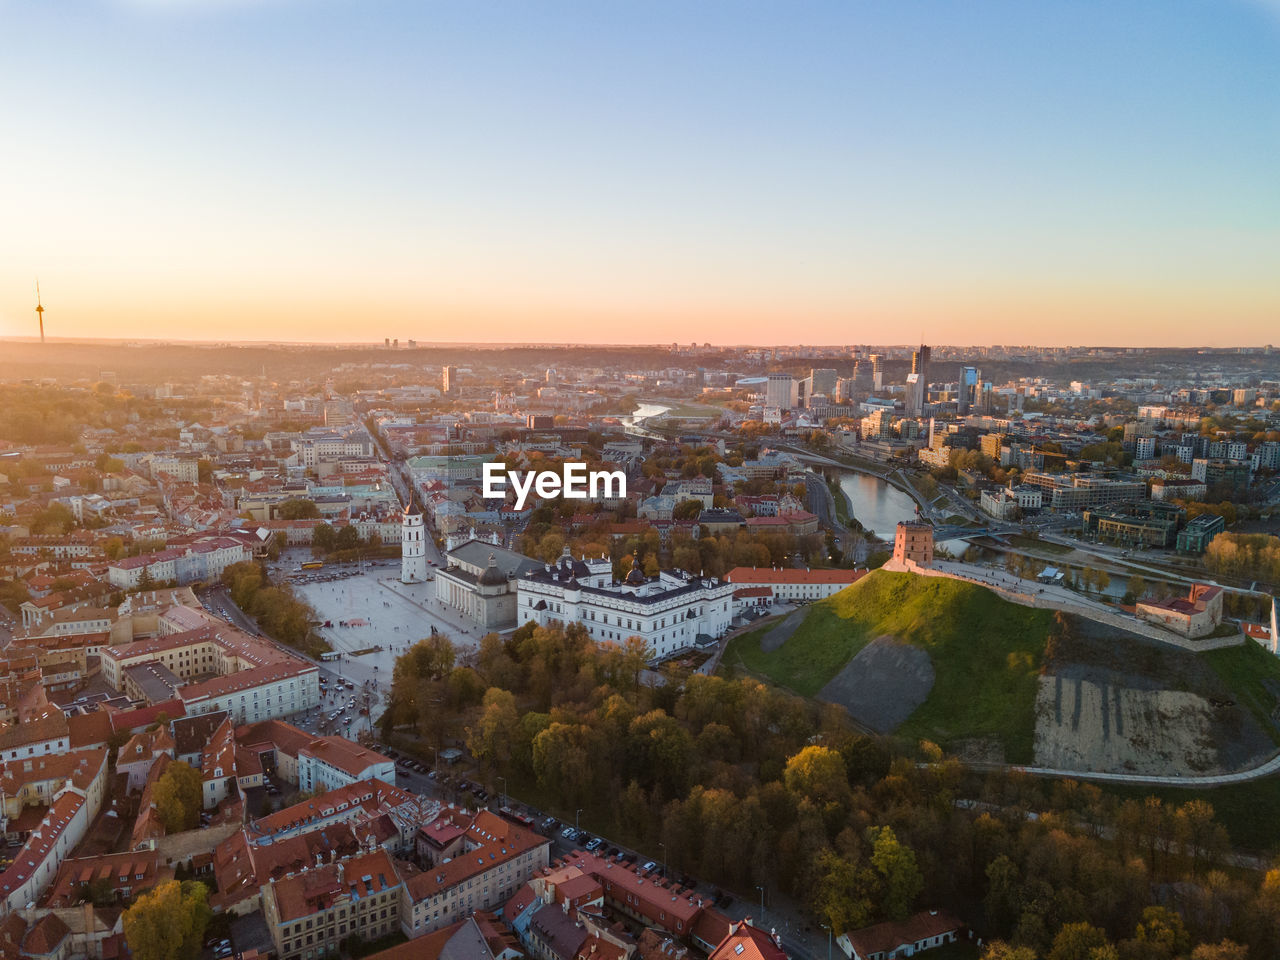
494 734
818 773
168 921
179 797
900 877
1078 941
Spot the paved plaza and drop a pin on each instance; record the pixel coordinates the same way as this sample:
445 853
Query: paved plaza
381 611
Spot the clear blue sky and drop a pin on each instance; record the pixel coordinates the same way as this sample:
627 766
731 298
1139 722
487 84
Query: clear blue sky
786 171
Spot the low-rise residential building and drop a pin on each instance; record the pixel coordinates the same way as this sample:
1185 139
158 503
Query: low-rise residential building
1178 488
220 668
327 763
901 938
72 808
747 942
311 912
491 858
1011 503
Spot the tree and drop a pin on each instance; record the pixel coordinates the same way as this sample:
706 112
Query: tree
1226 950
168 922
901 880
323 538
1078 941
687 510
298 508
818 773
841 893
999 950
179 796
55 520
431 658
1161 934
494 734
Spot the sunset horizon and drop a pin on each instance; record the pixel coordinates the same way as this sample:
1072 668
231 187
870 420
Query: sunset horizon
575 173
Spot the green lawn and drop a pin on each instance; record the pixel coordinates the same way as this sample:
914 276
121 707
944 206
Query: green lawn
1044 546
841 502
1253 675
986 653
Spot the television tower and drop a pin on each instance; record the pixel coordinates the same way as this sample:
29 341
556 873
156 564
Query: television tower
40 311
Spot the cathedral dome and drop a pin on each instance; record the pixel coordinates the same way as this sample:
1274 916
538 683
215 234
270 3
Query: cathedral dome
636 577
492 576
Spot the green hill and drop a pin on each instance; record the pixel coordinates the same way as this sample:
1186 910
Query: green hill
986 653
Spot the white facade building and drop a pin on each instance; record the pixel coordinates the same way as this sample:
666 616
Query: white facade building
669 613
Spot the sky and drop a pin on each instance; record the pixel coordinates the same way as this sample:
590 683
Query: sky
643 171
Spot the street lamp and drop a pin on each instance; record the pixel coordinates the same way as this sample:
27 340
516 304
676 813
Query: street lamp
761 889
575 820
664 859
503 801
828 929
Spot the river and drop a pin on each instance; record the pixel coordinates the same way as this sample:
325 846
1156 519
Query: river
634 424
876 504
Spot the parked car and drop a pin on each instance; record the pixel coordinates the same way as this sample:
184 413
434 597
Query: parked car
649 865
568 833
594 844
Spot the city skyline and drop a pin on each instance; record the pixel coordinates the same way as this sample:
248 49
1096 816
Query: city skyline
307 172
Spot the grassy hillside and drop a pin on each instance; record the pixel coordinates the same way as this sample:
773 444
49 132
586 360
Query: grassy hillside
1253 674
986 653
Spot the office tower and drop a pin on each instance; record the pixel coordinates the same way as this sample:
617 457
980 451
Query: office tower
877 375
779 391
863 380
918 382
449 379
969 377
822 381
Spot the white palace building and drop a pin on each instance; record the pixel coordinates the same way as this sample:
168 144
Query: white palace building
671 612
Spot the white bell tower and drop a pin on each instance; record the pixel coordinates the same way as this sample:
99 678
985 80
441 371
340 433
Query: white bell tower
413 546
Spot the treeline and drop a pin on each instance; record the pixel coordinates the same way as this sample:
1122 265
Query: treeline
1249 556
713 555
279 613
747 786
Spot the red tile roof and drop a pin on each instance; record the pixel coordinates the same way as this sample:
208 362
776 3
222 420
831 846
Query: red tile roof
886 936
791 575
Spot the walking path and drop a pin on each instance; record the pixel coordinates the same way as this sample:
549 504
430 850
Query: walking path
1029 593
1265 769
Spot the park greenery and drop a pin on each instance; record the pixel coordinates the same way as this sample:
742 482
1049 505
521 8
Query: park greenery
1249 556
278 612
744 784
